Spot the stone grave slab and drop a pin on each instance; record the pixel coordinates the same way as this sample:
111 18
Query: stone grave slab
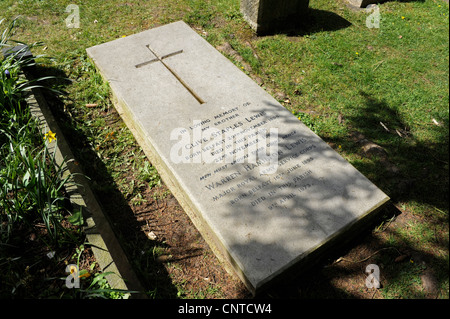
266 193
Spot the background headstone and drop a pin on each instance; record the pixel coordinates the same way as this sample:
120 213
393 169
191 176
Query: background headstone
266 16
364 3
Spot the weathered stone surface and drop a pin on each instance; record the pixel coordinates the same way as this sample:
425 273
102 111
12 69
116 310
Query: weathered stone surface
199 118
271 15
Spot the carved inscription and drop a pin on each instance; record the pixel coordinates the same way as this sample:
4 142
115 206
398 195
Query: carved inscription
232 184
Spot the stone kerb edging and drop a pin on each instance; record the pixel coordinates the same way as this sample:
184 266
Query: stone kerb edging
105 246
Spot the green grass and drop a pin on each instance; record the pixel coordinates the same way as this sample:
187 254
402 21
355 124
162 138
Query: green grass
340 77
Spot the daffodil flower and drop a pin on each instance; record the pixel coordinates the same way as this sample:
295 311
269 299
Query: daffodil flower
73 270
85 275
50 136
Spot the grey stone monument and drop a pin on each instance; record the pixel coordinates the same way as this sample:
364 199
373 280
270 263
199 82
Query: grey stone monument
266 16
364 3
267 194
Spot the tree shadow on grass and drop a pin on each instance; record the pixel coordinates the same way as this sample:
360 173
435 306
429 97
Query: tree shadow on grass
315 21
408 171
406 271
422 174
409 269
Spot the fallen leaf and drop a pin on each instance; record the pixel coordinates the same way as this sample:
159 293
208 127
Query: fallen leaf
429 282
51 254
339 260
384 126
400 258
151 235
280 96
163 258
436 122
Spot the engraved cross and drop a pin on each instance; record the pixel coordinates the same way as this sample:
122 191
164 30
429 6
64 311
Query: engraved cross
161 59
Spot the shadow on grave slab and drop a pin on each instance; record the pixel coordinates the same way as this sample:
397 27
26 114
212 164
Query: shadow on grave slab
327 228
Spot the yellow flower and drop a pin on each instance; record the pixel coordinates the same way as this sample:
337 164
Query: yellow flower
50 136
85 275
403 18
357 53
110 136
73 269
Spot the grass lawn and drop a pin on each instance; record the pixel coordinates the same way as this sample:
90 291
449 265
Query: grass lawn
379 96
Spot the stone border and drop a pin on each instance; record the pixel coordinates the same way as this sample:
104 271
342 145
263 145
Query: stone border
105 246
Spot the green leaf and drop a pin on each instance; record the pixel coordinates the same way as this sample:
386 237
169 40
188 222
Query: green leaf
76 219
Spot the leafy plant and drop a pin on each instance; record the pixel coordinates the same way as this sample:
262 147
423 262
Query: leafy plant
13 87
96 285
32 183
32 189
149 173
